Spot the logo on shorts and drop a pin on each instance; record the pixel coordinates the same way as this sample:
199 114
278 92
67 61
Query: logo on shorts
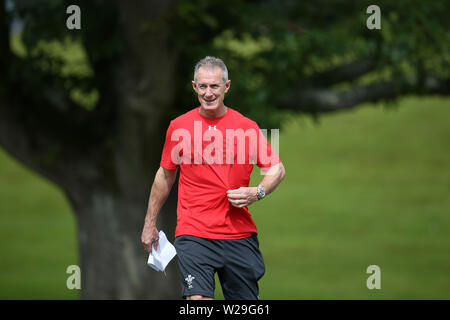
189 280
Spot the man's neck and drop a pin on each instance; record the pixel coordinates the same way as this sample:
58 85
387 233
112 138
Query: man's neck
213 113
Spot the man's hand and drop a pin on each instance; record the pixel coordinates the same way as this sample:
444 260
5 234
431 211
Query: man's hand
242 197
149 237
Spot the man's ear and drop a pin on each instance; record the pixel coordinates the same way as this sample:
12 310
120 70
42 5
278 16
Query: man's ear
194 85
227 86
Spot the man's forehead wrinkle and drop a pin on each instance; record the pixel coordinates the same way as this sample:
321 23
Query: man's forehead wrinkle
209 83
209 79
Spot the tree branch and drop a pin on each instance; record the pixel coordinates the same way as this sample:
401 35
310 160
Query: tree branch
47 153
317 100
42 127
342 73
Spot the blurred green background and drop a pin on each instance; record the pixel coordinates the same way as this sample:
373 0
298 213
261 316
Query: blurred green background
369 187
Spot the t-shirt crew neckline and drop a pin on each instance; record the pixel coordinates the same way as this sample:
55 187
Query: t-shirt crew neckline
213 118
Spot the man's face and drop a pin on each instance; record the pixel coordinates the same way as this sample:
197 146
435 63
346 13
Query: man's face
210 88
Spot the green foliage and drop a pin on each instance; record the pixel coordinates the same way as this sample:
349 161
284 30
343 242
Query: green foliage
65 60
60 56
414 35
270 47
273 47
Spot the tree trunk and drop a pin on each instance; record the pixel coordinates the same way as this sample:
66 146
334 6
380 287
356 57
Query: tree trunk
113 260
111 218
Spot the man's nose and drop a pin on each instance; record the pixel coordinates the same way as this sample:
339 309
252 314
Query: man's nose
208 92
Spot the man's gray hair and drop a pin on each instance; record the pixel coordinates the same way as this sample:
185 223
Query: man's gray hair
212 62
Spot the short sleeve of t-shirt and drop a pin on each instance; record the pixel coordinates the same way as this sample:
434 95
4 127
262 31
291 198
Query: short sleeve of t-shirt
166 158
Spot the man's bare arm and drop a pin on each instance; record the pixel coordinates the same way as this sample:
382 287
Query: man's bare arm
161 187
245 196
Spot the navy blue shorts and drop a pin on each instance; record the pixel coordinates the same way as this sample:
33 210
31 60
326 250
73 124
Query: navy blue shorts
238 263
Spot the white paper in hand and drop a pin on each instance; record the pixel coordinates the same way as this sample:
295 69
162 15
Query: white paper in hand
159 259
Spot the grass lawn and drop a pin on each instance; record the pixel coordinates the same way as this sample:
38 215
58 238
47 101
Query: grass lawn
37 236
369 187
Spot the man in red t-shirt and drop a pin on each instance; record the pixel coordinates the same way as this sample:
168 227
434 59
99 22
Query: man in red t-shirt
215 148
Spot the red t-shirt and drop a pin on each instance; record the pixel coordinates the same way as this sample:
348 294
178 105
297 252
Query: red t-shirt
214 158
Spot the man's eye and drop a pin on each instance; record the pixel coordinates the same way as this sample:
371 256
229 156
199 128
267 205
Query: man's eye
202 87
